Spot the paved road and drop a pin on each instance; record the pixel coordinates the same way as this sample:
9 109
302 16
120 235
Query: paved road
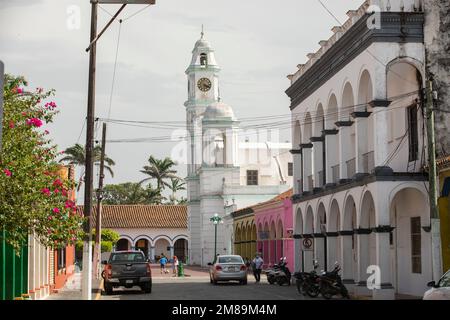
198 287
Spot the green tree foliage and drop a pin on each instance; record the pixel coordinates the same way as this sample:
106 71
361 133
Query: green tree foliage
160 170
76 155
32 196
131 193
108 239
175 185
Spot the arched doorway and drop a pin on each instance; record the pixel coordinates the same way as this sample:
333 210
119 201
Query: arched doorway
280 246
332 141
333 243
298 251
308 251
162 247
320 240
123 245
348 242
410 244
180 249
272 241
347 134
143 245
364 125
366 239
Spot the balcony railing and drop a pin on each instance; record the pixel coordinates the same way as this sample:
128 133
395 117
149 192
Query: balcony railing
335 173
320 176
310 182
351 168
369 161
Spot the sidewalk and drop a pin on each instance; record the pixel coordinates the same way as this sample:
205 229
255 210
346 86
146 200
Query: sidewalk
72 289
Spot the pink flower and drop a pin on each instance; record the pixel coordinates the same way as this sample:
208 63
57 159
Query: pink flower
7 172
11 124
19 90
34 122
56 210
57 183
61 152
50 105
69 204
46 132
50 218
56 191
24 113
46 191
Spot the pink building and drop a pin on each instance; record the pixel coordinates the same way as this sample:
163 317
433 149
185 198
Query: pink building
274 226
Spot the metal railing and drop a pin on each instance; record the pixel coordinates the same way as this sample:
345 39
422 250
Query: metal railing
310 182
320 176
335 173
351 168
368 161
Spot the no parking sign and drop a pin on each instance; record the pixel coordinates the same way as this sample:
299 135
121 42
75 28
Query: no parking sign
307 243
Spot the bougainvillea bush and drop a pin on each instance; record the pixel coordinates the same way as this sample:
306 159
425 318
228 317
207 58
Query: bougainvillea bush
33 197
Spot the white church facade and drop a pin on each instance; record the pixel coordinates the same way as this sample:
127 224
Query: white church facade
227 168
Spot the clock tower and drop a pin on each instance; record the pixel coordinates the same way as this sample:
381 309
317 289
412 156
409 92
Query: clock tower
211 147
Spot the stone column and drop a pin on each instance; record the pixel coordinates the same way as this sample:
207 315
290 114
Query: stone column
297 158
362 263
332 247
152 253
348 274
319 252
384 289
31 267
171 251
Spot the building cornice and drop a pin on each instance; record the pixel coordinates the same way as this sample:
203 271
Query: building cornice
400 27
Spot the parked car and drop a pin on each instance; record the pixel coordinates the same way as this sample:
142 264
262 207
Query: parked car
228 268
439 291
127 269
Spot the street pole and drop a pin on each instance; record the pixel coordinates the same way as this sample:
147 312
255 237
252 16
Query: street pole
98 220
86 285
215 242
434 213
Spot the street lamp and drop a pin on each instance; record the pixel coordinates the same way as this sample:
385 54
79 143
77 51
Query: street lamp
215 220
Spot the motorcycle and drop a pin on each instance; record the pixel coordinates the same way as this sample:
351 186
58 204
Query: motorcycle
308 282
331 284
271 273
283 275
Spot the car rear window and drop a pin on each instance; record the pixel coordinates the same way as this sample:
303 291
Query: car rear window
127 257
230 260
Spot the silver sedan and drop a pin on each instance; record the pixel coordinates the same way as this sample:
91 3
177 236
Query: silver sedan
228 268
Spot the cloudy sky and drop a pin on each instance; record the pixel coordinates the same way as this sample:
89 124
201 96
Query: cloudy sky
257 43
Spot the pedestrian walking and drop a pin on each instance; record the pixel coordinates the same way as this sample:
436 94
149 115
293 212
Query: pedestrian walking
162 263
257 267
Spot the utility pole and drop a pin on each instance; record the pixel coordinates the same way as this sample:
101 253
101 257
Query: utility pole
434 213
98 219
86 284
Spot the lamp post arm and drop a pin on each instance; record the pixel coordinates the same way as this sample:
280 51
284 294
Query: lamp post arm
106 27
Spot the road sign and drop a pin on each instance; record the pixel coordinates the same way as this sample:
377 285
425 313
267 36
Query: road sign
307 243
126 1
2 77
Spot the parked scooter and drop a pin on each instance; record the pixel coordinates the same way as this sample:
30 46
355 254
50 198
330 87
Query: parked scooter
331 284
271 273
308 282
283 275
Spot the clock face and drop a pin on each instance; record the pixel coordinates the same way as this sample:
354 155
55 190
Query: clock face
204 84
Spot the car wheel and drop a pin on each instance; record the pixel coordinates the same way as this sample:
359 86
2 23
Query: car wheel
147 287
108 289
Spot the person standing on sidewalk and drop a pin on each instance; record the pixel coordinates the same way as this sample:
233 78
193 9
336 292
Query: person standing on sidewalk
175 265
257 267
162 263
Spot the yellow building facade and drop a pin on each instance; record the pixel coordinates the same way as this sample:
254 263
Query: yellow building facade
244 233
444 209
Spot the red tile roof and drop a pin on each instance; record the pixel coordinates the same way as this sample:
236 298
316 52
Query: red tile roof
141 216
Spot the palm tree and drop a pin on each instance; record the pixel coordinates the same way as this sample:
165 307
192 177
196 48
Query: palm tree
76 155
175 185
160 170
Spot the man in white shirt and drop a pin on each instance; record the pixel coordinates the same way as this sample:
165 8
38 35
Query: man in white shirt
257 267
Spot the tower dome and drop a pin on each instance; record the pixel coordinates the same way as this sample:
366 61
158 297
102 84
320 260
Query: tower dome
219 111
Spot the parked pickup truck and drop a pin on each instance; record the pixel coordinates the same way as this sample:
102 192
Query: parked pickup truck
127 269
